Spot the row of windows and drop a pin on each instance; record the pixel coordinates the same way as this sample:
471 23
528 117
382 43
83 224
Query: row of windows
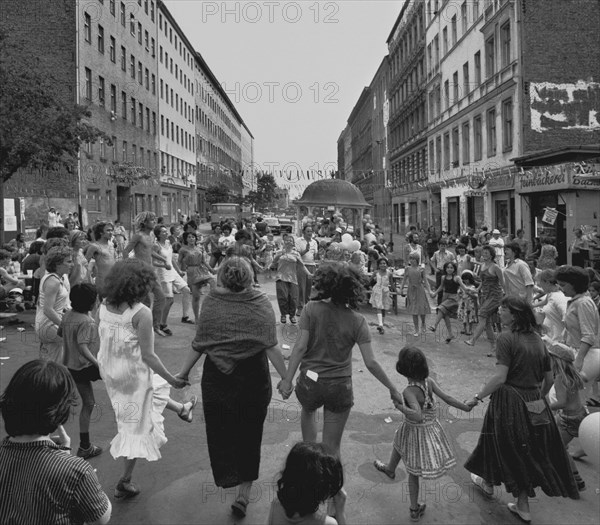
174 167
411 168
446 148
138 113
217 131
217 154
177 42
172 131
142 157
176 101
411 124
148 9
206 95
178 72
433 11
408 88
413 33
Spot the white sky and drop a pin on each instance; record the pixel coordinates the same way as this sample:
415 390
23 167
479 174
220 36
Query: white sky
294 70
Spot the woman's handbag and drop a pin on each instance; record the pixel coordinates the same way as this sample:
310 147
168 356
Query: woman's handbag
539 414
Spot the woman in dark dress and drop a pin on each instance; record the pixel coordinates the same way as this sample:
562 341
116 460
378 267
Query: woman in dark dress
517 447
236 330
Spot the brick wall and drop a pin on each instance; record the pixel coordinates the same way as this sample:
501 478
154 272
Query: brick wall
561 72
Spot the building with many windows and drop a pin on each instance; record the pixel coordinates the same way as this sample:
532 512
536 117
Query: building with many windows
407 123
139 76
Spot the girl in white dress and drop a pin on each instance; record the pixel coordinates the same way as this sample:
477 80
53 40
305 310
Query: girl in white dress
127 361
380 294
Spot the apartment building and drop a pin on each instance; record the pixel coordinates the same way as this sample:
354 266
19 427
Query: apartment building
408 119
248 167
361 140
219 131
344 154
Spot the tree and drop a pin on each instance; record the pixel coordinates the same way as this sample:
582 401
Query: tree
218 193
39 128
265 190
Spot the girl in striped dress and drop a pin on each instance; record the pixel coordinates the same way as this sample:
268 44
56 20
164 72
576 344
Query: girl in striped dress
420 440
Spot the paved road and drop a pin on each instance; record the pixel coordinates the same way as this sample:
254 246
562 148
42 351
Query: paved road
179 488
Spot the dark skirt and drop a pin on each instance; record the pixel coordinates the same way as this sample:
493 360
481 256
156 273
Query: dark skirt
235 408
449 305
522 456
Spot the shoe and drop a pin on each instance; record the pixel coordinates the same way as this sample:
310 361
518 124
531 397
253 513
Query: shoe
283 319
256 285
187 320
525 516
239 507
90 452
126 489
380 330
449 339
432 328
293 319
382 467
158 331
415 514
487 489
186 415
166 329
468 342
580 485
416 334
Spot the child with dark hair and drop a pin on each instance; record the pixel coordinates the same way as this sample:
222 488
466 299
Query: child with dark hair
380 293
81 343
40 482
311 476
420 440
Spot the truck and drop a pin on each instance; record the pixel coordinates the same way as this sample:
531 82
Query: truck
227 210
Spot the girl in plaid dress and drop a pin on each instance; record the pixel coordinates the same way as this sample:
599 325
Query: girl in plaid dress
420 440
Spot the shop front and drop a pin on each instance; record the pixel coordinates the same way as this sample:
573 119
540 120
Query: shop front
501 187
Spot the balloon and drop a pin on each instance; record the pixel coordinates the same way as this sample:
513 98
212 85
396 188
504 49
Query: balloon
367 217
355 246
347 238
589 437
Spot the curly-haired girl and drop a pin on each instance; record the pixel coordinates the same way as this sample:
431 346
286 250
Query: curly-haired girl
127 361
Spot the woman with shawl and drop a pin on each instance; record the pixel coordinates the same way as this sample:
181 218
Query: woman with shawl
237 332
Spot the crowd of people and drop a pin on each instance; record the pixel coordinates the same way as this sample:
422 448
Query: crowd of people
100 306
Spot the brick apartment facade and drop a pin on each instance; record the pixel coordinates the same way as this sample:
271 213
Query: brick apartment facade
108 54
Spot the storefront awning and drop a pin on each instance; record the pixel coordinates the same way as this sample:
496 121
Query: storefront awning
573 153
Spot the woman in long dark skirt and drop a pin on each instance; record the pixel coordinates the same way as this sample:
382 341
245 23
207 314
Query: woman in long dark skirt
236 330
516 447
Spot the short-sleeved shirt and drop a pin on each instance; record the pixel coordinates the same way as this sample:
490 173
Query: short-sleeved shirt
517 276
582 322
439 259
333 332
287 267
526 357
77 329
40 482
309 256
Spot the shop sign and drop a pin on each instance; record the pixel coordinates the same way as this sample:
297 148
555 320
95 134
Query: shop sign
502 181
558 177
550 215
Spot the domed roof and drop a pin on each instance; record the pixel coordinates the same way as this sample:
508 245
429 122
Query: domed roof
333 192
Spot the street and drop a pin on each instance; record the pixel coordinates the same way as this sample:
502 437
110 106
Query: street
179 488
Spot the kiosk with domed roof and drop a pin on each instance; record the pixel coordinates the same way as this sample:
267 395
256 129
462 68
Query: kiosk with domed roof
335 196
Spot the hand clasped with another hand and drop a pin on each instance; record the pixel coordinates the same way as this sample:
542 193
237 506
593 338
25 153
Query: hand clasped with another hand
285 388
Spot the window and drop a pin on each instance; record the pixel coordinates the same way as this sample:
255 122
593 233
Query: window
455 81
507 125
168 125
112 51
123 58
445 40
490 57
87 28
152 11
122 14
466 143
112 7
477 138
113 98
455 147
146 6
160 53
463 17
147 78
454 35
132 66
140 73
167 92
134 153
141 115
153 47
491 132
124 105
139 32
153 84
101 91
109 202
162 125
154 123
88 83
477 68
148 119
133 109
505 44
446 151
475 10
124 151
161 88
467 87
93 200
447 93
102 150
101 39
132 24
114 149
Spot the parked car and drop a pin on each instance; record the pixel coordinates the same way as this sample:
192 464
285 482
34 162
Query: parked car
286 224
273 224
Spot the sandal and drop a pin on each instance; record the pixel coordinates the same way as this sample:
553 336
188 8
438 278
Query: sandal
415 514
524 516
126 489
239 507
487 489
382 467
468 342
188 416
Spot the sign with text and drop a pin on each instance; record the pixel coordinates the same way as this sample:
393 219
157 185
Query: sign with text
558 177
550 215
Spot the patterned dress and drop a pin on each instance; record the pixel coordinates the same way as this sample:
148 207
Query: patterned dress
467 306
417 302
137 395
424 447
490 293
380 294
547 258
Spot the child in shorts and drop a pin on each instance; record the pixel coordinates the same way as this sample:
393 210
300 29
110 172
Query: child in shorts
81 343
